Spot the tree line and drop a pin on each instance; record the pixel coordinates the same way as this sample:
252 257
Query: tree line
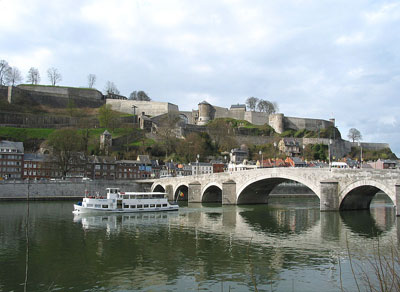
11 75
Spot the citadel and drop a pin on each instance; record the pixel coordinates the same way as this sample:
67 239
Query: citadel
149 113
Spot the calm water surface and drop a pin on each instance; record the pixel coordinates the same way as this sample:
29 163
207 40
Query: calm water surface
287 245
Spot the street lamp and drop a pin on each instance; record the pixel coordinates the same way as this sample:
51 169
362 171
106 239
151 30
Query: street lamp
329 152
275 154
198 157
359 145
225 167
262 158
134 114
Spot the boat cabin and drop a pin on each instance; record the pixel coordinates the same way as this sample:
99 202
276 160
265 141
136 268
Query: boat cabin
112 193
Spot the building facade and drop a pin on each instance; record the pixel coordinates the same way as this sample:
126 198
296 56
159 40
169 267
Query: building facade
11 159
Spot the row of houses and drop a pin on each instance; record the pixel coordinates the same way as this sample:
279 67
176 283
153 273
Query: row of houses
15 164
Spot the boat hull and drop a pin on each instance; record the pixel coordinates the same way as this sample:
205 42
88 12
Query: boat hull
84 210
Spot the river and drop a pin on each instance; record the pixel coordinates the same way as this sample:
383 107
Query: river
288 245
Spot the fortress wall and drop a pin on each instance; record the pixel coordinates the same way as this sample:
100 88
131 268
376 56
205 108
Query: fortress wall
221 112
57 97
189 115
238 114
257 140
52 90
309 124
369 146
42 121
256 118
151 108
85 93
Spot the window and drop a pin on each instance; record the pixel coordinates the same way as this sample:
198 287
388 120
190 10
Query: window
140 206
145 206
158 205
152 205
126 206
104 206
89 205
164 205
133 206
97 205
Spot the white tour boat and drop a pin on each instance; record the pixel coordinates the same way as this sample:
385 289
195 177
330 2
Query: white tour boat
125 202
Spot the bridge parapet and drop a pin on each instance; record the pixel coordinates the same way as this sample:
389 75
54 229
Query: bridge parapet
332 186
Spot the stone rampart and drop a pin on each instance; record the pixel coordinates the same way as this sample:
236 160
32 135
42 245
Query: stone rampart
151 108
42 121
256 118
18 190
309 124
54 96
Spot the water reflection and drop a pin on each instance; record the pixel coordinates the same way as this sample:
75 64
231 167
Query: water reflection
200 247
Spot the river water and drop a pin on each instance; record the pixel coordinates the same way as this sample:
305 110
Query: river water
288 245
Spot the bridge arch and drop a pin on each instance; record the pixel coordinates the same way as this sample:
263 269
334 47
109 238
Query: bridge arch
358 195
212 193
158 188
181 192
257 190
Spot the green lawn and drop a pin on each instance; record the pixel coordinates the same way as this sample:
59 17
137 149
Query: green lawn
22 134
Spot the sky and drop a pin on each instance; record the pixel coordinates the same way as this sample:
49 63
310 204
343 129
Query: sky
316 58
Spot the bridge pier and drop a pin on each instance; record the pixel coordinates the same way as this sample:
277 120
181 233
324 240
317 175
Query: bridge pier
194 192
170 191
229 193
329 200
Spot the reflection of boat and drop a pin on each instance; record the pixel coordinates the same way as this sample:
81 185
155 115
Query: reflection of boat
114 222
128 202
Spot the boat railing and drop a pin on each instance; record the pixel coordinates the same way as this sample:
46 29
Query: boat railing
141 196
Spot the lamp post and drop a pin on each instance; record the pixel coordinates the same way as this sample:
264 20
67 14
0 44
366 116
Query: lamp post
262 158
329 153
361 160
134 114
198 157
275 154
225 167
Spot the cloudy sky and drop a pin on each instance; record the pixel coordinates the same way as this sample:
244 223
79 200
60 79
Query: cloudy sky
315 58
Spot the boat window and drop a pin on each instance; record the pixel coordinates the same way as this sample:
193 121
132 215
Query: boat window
126 206
152 205
90 205
139 197
133 206
97 206
164 205
140 206
131 196
158 205
104 206
145 206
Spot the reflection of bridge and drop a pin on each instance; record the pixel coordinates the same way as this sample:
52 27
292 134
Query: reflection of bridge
337 189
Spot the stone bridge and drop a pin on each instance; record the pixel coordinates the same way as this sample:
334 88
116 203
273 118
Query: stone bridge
337 189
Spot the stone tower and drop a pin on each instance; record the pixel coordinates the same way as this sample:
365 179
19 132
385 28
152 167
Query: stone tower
205 110
105 142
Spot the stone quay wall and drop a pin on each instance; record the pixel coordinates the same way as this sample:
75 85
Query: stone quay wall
60 190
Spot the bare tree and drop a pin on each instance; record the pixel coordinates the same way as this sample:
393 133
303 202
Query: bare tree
91 80
266 106
4 71
139 95
54 76
354 135
252 103
33 76
111 88
14 76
